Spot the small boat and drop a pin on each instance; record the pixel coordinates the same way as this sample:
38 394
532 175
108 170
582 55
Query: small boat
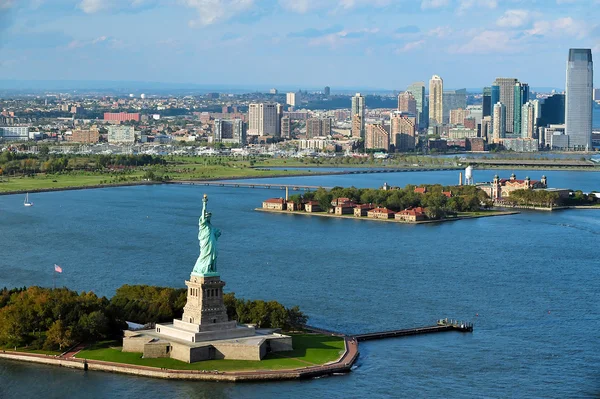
26 202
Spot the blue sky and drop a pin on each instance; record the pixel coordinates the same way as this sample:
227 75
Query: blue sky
296 43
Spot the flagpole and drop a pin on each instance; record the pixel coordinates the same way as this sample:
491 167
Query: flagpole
54 279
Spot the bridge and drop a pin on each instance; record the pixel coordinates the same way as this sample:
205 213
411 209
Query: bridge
292 187
566 163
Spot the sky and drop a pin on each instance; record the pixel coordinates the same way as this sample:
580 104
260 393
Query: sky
301 44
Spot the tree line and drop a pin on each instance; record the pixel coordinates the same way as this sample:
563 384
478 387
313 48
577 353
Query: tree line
12 163
55 319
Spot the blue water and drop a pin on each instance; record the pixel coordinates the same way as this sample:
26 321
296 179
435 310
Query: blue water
532 279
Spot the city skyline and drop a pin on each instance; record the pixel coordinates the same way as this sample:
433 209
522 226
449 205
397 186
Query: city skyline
202 41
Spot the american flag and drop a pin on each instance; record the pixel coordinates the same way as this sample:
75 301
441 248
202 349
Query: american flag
57 268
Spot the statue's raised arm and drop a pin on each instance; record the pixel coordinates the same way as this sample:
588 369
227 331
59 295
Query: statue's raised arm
206 265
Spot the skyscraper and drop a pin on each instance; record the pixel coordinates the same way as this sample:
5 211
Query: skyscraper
487 102
290 99
504 89
578 106
528 113
327 91
407 103
552 111
229 131
521 97
436 102
358 108
263 119
418 91
453 99
402 131
499 122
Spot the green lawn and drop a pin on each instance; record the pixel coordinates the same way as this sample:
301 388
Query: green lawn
27 350
53 181
308 350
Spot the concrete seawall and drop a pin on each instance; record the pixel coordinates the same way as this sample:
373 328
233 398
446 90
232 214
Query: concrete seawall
342 365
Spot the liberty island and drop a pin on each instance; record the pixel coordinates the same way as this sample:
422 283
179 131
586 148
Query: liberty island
204 332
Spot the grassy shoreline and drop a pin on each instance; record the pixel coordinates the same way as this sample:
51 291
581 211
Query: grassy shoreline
309 350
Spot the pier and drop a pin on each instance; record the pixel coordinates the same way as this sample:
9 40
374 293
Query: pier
442 326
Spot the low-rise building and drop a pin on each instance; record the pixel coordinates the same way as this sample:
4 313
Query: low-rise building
312 206
345 208
275 204
294 206
381 213
411 215
501 188
362 210
340 201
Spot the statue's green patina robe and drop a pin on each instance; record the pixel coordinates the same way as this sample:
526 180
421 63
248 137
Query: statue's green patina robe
207 235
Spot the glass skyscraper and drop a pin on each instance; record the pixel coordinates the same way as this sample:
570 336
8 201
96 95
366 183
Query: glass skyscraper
486 105
578 105
418 91
521 98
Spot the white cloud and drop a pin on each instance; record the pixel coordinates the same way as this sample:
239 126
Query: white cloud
513 18
212 11
487 42
465 5
440 32
299 6
93 6
428 4
560 27
410 46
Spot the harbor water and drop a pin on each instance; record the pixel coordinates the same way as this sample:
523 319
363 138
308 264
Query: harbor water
528 282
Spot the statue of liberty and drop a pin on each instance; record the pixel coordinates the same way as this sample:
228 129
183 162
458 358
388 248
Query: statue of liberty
206 265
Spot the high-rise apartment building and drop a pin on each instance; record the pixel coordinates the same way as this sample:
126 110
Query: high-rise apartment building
318 127
528 120
486 128
458 116
357 126
486 103
417 89
407 103
229 131
121 134
403 128
358 108
499 122
578 107
263 119
327 91
521 97
290 99
377 137
503 90
286 127
436 100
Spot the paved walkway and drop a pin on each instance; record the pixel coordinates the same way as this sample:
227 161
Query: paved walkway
71 354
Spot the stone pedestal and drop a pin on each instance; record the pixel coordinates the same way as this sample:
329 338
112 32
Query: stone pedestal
205 307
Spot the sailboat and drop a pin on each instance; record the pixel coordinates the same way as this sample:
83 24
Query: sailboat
27 203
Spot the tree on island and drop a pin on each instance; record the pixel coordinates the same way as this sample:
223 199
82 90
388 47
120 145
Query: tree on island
55 319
